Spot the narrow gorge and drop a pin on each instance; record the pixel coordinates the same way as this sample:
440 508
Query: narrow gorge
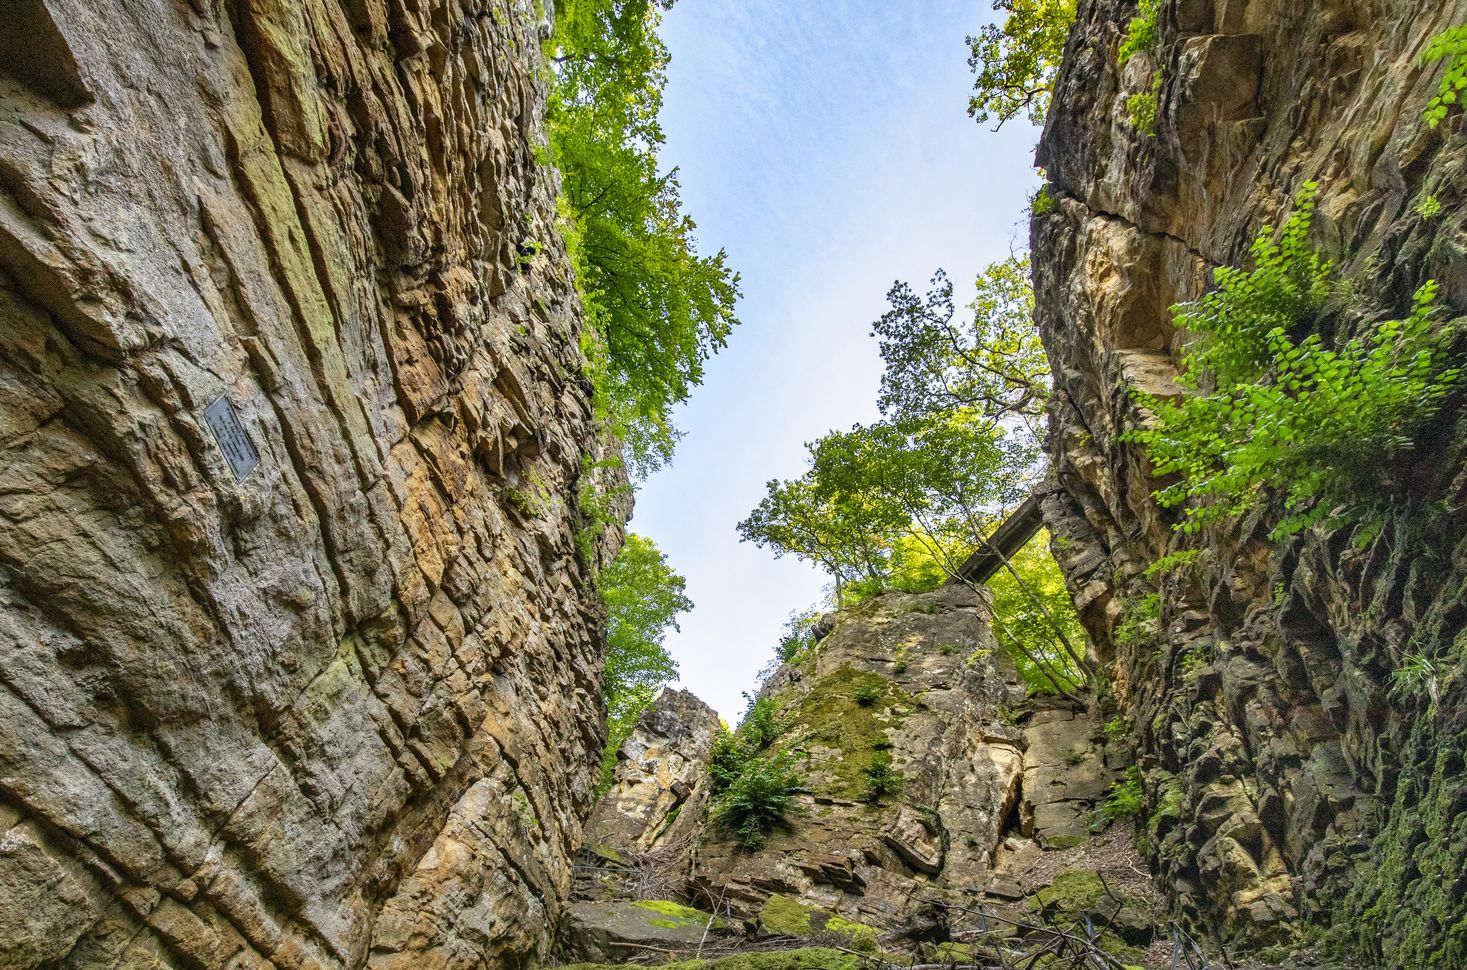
319 446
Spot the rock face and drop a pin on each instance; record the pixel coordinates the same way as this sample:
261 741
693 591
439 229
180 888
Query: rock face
659 789
912 678
299 661
1286 782
985 779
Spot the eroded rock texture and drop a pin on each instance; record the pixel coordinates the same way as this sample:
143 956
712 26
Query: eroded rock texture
659 789
987 783
1287 782
342 711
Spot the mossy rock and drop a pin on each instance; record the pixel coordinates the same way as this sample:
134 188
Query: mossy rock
783 916
807 958
678 915
851 711
1072 891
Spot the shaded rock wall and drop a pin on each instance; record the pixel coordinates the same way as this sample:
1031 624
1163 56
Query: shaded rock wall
1286 782
331 697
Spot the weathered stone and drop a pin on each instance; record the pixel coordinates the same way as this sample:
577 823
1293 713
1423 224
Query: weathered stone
659 788
1269 738
618 929
341 708
915 678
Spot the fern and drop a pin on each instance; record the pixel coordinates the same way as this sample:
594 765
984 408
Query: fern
1141 108
1265 412
1141 34
1450 46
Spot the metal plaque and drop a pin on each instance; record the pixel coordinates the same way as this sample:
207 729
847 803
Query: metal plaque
233 439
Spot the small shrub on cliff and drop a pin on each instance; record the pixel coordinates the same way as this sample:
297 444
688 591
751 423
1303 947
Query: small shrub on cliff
758 799
867 694
1015 61
881 778
761 724
1266 413
1450 46
1141 107
1124 798
1141 34
1139 621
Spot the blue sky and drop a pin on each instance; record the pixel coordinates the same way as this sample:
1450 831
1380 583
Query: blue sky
830 154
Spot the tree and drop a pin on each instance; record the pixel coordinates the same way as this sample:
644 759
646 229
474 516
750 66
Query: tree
1023 629
993 364
904 502
837 534
1015 62
657 309
643 597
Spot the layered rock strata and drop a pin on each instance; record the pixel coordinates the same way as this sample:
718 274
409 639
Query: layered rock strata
1287 783
298 662
981 793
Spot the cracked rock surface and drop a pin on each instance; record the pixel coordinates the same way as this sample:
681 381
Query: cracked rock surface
329 698
1286 783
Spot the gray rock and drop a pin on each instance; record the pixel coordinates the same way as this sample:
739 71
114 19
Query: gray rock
340 709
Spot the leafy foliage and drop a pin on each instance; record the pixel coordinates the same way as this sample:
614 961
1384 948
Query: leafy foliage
759 798
643 597
1015 62
1124 797
1450 46
1141 32
1171 562
1043 202
797 518
881 778
904 502
753 790
762 724
1142 106
1024 630
1266 413
1139 621
991 364
657 309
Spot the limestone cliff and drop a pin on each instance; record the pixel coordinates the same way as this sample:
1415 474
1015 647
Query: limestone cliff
991 796
298 662
1287 784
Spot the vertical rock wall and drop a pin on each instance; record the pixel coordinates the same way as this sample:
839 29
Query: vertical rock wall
1287 783
329 698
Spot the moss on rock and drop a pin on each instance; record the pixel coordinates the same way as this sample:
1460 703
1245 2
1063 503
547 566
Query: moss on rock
1072 891
807 958
784 916
678 915
849 710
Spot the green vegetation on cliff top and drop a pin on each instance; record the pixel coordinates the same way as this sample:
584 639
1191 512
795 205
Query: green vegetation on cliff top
657 309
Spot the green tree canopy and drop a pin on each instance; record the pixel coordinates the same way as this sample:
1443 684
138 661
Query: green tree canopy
643 596
658 310
1015 61
991 364
902 503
